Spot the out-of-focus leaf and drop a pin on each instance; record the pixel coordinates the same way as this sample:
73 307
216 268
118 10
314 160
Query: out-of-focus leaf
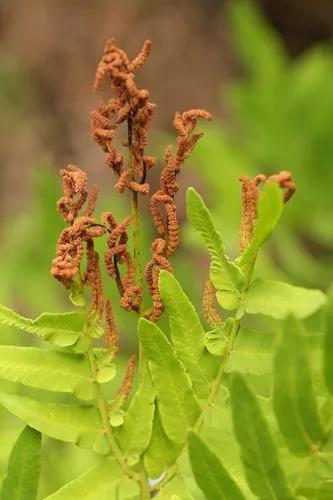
213 479
258 449
328 348
21 481
294 398
252 353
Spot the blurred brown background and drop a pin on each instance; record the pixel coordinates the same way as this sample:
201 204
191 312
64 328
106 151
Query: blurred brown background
50 49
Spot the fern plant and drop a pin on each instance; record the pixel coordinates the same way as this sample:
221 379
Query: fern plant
227 410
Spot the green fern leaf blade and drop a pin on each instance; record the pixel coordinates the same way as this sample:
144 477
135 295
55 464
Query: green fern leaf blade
79 425
179 408
161 452
224 274
21 480
293 392
61 329
280 300
135 433
252 353
103 482
187 333
328 347
48 370
258 449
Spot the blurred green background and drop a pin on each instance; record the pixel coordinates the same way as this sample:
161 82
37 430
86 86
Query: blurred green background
265 71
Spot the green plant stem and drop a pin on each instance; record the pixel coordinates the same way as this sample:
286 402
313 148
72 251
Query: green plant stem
102 405
145 492
219 378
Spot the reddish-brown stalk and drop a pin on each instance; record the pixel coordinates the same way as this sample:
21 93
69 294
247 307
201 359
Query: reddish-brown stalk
250 195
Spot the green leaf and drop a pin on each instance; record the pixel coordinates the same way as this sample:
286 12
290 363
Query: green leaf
280 300
252 353
62 329
161 452
258 47
21 481
176 489
213 479
187 333
270 207
328 346
325 490
293 393
178 406
258 449
49 370
224 274
135 434
103 482
80 425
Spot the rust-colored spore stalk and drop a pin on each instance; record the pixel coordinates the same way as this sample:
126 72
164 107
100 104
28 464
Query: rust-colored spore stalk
250 195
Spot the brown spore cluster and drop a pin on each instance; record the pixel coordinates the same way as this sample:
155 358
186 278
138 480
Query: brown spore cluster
129 105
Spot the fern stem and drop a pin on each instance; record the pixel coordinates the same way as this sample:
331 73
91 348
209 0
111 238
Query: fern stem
145 492
103 409
219 378
135 214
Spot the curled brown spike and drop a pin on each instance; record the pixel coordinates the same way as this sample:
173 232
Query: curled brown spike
284 180
152 272
111 332
117 254
209 309
167 223
92 201
70 248
131 104
75 193
142 56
